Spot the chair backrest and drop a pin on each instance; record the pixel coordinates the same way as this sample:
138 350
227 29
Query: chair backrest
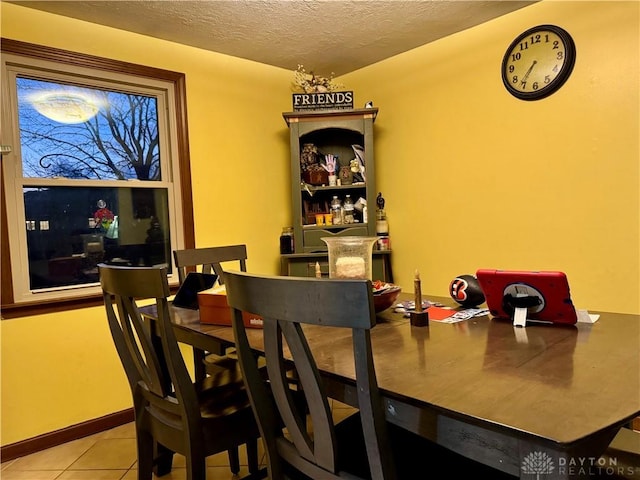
209 259
286 303
149 352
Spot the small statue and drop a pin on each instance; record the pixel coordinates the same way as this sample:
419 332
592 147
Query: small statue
346 175
357 164
354 166
380 201
330 163
308 157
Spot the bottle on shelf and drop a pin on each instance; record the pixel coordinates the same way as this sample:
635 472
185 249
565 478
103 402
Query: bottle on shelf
336 210
286 241
349 209
382 230
382 225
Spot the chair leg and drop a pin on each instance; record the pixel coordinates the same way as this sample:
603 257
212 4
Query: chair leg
196 467
252 456
163 460
144 443
198 364
234 460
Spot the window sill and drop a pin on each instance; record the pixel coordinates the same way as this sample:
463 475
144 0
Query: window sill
27 309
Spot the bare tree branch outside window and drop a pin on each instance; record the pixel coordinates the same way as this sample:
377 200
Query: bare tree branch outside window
105 135
73 134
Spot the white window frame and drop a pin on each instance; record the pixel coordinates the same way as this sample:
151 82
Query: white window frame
13 182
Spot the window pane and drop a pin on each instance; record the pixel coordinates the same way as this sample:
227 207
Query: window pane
86 133
72 229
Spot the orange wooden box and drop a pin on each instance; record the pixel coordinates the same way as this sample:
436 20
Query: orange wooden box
214 309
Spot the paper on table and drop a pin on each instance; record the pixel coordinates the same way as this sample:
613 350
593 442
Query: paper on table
439 313
586 317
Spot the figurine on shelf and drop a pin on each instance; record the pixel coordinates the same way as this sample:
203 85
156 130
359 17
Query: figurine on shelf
308 156
313 172
382 225
330 166
357 164
346 175
355 170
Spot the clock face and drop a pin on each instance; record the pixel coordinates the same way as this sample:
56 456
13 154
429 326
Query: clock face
538 62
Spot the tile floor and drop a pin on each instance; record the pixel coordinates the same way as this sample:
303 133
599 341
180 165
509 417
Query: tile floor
111 455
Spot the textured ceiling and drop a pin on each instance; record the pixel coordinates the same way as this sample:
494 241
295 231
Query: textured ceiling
331 36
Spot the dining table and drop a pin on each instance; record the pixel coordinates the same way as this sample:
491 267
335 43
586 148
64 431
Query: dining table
542 401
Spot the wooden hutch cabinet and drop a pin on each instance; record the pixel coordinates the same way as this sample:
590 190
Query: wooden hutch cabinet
332 132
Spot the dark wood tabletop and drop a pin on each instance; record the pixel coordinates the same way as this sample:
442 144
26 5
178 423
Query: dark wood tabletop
481 387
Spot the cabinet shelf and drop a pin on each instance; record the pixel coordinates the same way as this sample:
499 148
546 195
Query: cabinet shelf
321 188
332 227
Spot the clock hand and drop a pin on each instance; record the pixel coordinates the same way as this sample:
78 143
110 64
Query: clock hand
526 75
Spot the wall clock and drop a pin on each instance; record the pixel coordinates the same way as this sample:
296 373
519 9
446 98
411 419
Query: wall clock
538 62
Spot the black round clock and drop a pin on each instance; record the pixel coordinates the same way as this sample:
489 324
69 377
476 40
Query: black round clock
538 62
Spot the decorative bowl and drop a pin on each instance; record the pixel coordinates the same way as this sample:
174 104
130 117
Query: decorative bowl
385 298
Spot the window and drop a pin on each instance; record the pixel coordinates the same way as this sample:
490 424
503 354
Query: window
98 172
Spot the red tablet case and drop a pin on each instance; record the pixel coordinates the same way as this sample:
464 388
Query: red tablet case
551 286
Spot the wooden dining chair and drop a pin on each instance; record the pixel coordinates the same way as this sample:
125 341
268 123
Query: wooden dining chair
210 260
363 445
172 413
624 453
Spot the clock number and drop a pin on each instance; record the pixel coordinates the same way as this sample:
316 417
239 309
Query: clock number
547 79
515 57
535 39
535 85
556 44
560 55
515 79
511 68
524 45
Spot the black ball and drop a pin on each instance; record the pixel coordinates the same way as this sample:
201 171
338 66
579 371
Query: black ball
466 291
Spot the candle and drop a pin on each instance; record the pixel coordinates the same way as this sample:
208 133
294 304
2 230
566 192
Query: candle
417 292
318 271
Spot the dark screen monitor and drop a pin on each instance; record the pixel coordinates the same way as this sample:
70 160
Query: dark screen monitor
544 294
194 282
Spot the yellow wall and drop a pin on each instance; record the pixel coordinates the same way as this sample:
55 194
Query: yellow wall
60 370
473 178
